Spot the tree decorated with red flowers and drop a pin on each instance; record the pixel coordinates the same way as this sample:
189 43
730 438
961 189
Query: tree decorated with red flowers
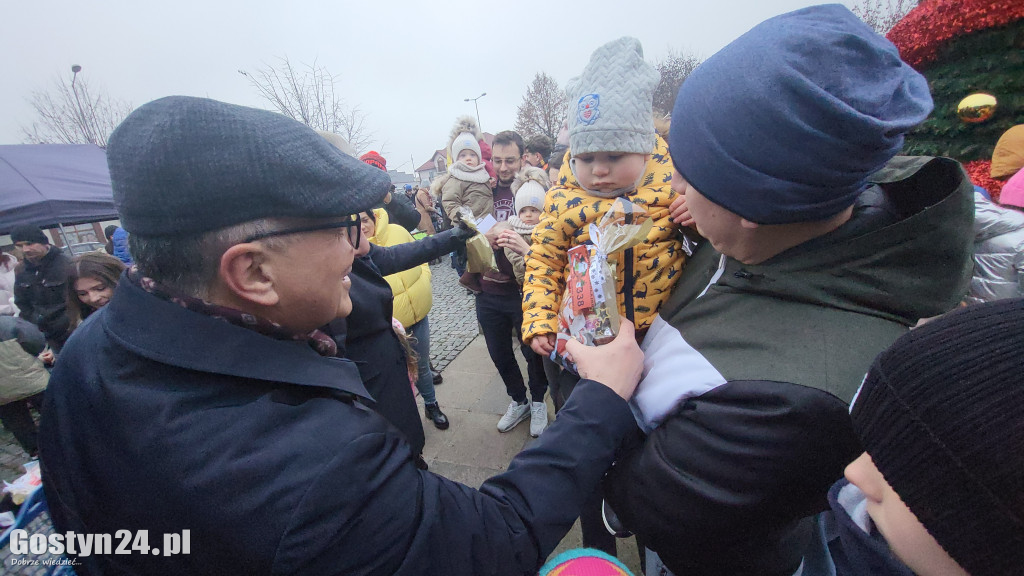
965 47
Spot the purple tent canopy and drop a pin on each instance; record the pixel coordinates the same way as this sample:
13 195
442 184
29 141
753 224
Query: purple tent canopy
49 184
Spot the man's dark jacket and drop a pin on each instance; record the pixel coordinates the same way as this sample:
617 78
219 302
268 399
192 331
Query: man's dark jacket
757 369
40 292
367 338
401 211
164 419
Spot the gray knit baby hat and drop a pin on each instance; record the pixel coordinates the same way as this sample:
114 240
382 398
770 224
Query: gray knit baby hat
610 104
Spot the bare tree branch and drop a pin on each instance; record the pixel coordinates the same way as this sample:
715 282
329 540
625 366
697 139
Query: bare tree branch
674 69
309 95
72 113
353 127
882 15
543 108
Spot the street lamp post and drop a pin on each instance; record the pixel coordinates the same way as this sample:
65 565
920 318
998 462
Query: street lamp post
75 69
475 105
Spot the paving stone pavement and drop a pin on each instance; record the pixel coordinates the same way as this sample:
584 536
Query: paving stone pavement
453 316
472 450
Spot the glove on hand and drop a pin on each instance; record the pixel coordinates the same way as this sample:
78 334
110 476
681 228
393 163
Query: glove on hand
462 231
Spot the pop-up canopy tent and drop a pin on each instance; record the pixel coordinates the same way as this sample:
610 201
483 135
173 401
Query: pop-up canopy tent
51 184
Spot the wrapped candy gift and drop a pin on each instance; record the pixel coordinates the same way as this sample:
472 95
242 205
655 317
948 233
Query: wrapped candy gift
589 311
479 254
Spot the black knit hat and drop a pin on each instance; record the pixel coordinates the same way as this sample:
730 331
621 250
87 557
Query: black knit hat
941 413
181 165
28 233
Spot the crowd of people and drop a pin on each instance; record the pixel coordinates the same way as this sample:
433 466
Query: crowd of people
814 369
46 297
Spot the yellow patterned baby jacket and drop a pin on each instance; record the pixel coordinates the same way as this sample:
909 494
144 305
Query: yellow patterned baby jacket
644 274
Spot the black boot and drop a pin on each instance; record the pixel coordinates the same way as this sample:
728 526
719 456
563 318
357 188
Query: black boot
438 379
434 414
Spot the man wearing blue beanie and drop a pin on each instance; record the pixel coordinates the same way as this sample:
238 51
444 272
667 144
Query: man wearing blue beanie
822 248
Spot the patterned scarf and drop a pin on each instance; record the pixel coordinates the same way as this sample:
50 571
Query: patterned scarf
317 340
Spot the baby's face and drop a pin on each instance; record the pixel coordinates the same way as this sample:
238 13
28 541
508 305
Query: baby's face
608 171
530 216
907 537
469 158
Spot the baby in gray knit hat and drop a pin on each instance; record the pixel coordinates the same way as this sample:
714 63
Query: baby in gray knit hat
614 152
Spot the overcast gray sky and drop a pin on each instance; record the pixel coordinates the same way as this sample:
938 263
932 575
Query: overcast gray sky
408 65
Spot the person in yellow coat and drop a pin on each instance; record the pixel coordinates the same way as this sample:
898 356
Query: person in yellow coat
412 301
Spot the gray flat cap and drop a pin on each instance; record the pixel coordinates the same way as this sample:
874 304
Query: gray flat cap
181 165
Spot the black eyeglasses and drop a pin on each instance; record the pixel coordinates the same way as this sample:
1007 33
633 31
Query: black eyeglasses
352 225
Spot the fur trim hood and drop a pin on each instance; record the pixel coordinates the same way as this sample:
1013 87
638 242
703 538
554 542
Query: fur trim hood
438 183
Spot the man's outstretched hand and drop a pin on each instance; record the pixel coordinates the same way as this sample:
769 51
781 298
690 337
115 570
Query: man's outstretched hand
618 364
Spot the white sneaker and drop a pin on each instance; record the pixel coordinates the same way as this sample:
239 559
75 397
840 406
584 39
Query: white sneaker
538 418
515 414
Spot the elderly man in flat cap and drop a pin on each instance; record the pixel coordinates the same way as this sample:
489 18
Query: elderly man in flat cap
203 399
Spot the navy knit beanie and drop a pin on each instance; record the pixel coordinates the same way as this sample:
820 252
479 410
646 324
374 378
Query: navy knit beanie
28 233
181 166
940 414
786 123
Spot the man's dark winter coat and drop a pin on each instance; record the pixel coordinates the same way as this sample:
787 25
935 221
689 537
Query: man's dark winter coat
40 292
757 365
401 211
159 418
367 338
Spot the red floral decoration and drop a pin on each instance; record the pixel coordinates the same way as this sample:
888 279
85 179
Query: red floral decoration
933 23
980 173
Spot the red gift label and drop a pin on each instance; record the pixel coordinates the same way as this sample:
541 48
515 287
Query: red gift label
581 292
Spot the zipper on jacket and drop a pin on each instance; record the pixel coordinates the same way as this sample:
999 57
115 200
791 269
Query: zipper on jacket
627 284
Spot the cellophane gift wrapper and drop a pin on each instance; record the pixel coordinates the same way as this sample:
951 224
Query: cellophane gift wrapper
589 311
479 255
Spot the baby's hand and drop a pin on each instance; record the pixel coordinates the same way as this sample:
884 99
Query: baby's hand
679 213
543 344
513 241
47 356
495 231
